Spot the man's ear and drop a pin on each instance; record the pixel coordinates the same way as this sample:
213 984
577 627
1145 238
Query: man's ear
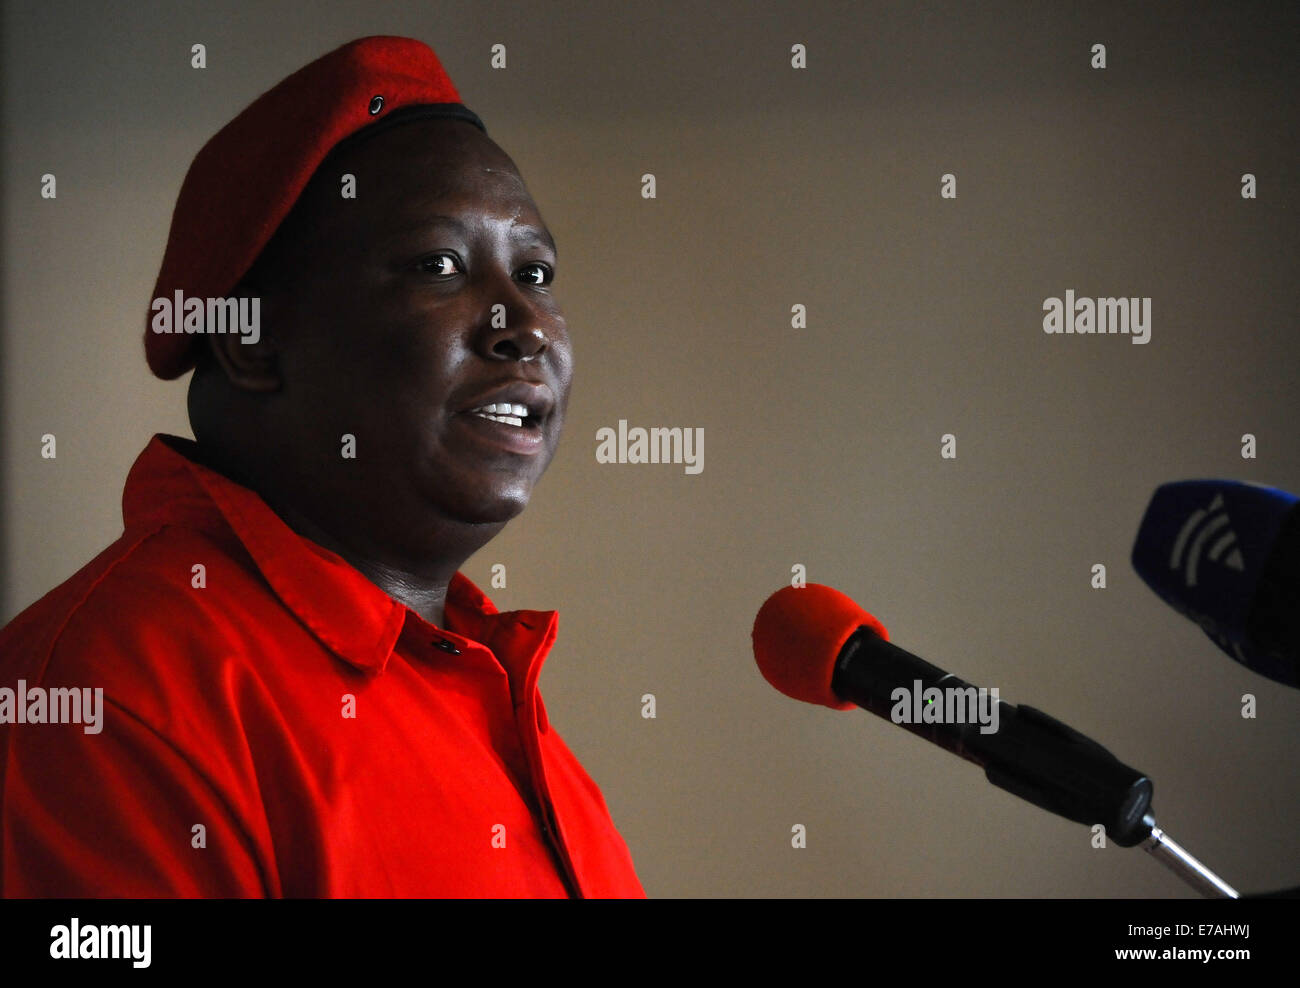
248 359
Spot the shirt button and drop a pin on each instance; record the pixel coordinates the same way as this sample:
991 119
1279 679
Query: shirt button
446 646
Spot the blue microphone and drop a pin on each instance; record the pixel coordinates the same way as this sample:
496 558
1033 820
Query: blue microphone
1227 555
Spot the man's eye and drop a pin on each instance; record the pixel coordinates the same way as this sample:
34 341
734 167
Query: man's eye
440 264
536 274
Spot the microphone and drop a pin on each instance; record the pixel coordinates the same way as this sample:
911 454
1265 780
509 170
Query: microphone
815 644
1227 555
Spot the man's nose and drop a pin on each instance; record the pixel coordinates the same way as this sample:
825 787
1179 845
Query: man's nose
520 326
525 345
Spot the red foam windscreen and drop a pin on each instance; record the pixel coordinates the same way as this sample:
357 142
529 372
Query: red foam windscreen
798 634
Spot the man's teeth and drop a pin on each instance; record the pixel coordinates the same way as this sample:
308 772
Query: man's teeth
503 412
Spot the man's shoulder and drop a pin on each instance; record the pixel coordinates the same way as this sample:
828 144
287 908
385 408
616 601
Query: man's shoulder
153 593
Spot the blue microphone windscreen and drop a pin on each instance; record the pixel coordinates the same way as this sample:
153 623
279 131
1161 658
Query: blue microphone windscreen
1203 546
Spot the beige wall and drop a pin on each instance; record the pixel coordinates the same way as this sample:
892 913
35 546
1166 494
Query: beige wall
778 187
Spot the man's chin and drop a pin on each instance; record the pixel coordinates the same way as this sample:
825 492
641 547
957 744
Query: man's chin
494 510
498 516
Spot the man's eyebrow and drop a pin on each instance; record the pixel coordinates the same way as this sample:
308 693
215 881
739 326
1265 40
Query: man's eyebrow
437 219
525 232
543 235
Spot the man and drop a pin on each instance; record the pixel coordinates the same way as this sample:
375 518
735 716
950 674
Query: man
302 696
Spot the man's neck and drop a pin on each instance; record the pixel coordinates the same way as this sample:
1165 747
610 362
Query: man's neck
424 592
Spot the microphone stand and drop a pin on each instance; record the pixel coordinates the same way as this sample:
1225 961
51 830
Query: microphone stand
1173 856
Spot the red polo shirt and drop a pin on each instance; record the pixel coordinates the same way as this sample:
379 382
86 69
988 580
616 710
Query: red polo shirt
276 725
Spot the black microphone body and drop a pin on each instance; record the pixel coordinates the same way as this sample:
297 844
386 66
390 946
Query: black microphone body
1031 754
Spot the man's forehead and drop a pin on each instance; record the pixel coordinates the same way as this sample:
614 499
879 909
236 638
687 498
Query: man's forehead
415 178
423 164
431 149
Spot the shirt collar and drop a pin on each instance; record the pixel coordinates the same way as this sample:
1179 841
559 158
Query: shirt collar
342 609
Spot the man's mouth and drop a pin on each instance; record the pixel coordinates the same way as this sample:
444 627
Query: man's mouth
509 414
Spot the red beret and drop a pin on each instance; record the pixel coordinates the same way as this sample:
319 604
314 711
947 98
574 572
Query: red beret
245 180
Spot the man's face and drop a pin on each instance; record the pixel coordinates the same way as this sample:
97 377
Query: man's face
405 308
